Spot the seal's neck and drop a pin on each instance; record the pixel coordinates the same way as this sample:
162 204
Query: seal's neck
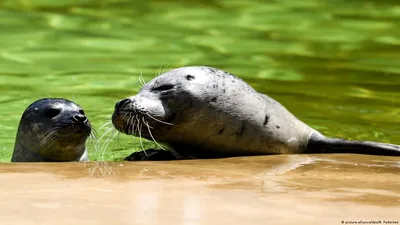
22 154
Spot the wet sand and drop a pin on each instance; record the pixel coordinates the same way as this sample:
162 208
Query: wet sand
284 189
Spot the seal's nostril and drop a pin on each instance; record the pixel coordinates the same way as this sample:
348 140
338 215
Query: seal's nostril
122 103
80 118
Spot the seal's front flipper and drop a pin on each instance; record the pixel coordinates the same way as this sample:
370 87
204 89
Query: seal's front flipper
321 144
151 155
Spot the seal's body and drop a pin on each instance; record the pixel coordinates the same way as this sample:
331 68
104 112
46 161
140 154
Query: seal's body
52 130
204 112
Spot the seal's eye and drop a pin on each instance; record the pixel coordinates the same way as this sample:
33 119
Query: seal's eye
81 112
52 112
164 87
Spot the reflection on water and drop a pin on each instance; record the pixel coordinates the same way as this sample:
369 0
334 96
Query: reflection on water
323 189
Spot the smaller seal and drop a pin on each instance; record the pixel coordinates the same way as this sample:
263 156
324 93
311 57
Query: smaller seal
52 130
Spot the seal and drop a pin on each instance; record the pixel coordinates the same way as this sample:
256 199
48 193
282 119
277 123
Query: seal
205 112
52 130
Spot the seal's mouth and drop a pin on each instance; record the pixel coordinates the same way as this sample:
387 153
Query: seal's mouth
132 119
126 121
127 118
71 128
134 123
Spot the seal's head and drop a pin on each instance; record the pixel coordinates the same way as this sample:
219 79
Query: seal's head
171 98
159 100
52 129
182 103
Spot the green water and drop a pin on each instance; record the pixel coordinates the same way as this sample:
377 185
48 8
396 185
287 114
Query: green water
334 64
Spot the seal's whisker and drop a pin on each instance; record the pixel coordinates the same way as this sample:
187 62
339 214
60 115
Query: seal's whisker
171 124
126 117
48 136
141 78
151 135
46 140
105 124
117 142
140 135
159 71
47 143
50 131
133 130
165 68
104 150
127 126
135 126
108 140
93 132
97 145
142 81
146 123
132 123
93 135
140 85
102 136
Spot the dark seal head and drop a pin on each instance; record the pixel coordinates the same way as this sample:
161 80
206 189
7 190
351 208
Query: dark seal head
204 112
52 130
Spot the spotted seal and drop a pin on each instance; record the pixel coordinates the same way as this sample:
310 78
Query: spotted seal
52 130
205 112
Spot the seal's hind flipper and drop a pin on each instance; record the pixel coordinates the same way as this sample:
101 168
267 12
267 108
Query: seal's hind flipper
151 155
320 144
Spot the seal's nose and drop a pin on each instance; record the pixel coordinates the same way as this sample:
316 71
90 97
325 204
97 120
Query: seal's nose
122 103
79 118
